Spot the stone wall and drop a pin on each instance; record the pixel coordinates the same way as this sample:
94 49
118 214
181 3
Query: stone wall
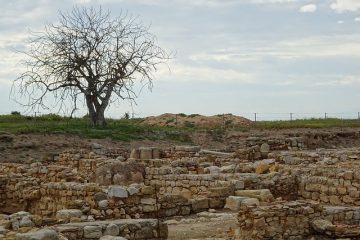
2 191
330 185
150 229
296 220
195 185
292 140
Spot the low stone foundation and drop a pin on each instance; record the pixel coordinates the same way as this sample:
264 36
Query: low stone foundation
296 220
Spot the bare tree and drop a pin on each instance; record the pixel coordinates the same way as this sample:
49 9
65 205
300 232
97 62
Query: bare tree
91 56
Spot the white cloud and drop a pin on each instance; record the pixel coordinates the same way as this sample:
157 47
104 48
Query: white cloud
340 80
340 21
348 80
309 8
311 47
184 72
342 6
357 19
274 1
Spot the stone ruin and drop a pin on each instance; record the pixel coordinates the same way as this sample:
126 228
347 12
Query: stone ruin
283 188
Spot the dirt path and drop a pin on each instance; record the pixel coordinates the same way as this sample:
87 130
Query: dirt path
203 226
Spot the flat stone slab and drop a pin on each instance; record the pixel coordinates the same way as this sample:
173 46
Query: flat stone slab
43 234
187 148
117 191
234 202
264 195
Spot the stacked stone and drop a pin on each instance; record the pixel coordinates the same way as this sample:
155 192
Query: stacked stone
281 220
62 195
281 143
6 168
18 191
145 153
330 185
342 215
150 229
297 220
3 181
185 151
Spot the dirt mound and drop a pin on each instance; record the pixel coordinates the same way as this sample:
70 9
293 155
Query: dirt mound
196 120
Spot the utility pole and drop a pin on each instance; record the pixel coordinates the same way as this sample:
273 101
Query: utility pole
291 116
255 116
325 115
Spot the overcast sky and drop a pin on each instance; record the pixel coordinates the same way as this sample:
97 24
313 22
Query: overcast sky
232 56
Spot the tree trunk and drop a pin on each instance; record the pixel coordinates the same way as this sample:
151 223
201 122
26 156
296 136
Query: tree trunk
96 115
99 119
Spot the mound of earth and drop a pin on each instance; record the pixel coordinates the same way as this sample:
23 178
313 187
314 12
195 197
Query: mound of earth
196 120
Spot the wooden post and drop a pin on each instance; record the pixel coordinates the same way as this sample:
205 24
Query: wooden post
224 120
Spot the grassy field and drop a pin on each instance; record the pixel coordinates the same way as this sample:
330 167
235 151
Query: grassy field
123 130
308 123
126 130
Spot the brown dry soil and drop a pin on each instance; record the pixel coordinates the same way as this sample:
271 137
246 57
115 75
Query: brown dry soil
36 147
213 228
196 120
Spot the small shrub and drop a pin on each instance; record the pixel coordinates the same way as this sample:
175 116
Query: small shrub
188 124
16 113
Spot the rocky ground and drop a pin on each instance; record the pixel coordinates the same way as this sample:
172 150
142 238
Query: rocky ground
289 184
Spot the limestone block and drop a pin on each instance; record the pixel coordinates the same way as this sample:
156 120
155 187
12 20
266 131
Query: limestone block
265 148
92 232
147 190
132 190
149 208
107 237
234 202
103 204
187 148
117 191
100 196
216 203
264 195
66 214
199 204
148 201
262 168
135 154
321 225
250 202
221 191
43 234
145 153
156 153
212 170
112 230
26 222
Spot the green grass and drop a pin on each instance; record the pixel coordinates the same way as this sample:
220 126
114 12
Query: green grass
122 130
308 123
132 129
